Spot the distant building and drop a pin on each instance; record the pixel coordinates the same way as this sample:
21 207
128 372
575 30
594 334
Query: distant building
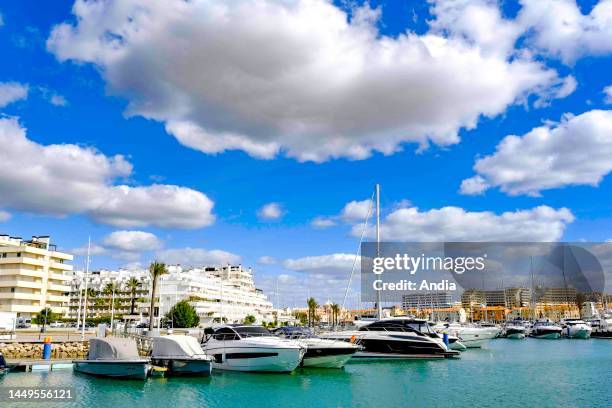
427 300
509 298
556 296
33 276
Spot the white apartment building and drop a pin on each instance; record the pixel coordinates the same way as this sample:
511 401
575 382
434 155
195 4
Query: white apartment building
33 275
224 293
99 302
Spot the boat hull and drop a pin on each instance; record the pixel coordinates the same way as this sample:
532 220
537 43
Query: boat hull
365 355
116 369
327 361
516 333
324 353
185 366
394 345
457 345
601 334
282 360
546 335
580 332
472 337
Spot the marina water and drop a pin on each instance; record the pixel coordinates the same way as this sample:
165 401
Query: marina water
509 373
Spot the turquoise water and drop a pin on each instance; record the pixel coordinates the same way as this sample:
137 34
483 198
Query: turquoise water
509 373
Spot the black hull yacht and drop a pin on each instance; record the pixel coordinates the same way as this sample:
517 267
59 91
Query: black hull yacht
395 338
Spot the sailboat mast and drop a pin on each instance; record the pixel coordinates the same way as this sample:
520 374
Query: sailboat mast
378 297
85 300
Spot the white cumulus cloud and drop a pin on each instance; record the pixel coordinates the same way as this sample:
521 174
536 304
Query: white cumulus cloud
266 260
297 78
197 257
58 100
64 179
608 94
576 151
323 222
330 264
270 211
124 245
560 29
132 241
447 224
11 92
4 216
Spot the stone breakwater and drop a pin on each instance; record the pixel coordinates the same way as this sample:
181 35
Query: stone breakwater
66 350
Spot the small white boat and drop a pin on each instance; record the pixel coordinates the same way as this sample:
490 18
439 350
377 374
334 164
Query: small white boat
545 329
251 348
515 330
320 353
113 357
181 355
576 329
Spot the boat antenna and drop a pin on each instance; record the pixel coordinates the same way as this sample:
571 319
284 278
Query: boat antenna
357 253
378 294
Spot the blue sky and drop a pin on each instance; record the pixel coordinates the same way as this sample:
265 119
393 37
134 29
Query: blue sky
111 103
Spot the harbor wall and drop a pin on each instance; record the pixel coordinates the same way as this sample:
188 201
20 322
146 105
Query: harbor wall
65 350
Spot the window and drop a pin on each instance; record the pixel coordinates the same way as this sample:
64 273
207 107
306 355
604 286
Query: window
18 254
225 333
247 331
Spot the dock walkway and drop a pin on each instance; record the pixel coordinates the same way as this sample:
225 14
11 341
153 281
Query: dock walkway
39 365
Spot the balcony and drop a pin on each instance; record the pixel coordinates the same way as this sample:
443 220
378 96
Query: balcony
62 255
57 287
20 284
60 266
22 272
21 308
54 298
18 295
32 261
59 277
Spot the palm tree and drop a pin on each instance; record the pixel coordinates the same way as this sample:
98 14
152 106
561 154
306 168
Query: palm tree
133 284
312 308
156 269
335 308
91 293
109 290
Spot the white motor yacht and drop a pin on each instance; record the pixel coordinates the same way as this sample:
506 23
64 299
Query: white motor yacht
469 336
395 338
251 348
321 353
602 327
113 357
515 330
576 329
181 355
545 329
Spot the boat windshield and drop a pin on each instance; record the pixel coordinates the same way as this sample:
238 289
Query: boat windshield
252 331
294 332
399 325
